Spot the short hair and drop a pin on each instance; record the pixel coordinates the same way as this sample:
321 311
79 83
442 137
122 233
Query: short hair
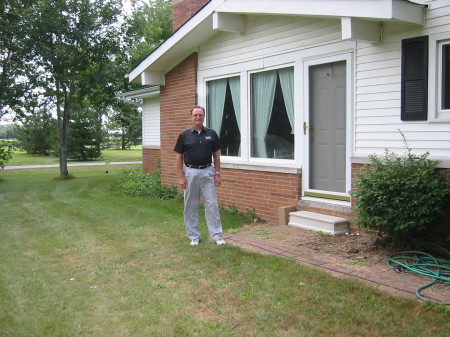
198 107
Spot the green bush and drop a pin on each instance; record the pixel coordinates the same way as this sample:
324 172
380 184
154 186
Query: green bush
400 197
5 154
136 183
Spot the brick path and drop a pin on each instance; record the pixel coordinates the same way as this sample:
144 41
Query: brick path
287 241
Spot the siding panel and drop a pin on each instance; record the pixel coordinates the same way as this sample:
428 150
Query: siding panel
151 123
265 36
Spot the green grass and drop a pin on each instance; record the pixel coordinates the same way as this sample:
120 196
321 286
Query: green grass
79 259
112 155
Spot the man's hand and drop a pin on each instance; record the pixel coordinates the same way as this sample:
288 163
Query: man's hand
217 180
183 183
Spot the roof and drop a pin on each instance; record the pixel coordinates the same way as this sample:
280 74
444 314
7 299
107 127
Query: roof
228 15
145 92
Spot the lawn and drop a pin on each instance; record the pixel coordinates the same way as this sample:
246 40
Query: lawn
79 258
112 155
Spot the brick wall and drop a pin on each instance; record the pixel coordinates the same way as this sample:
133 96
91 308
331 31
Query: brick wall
263 191
151 159
177 98
183 10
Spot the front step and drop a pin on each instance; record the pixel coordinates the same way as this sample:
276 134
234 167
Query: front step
318 222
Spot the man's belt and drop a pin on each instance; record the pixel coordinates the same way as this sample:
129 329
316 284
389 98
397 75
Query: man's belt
198 166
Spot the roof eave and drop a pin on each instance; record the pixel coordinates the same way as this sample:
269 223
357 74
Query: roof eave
199 28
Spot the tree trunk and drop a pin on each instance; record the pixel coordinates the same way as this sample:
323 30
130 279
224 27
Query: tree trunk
123 139
63 125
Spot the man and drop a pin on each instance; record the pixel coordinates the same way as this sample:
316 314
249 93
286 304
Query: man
195 149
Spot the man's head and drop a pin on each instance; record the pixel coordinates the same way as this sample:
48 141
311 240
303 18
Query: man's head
197 117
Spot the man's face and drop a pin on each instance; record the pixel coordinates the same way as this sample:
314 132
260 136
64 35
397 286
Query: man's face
197 117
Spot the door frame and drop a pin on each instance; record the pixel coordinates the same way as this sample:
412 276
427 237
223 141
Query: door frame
307 192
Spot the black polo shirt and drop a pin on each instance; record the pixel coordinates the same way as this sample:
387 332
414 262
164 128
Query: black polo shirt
197 147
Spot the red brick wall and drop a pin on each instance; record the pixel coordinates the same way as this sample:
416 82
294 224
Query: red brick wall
151 159
263 191
177 98
183 10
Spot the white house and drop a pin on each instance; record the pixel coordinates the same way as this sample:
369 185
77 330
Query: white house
302 92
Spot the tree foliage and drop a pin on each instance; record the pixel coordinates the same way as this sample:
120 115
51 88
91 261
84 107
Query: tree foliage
125 123
149 25
15 60
38 134
86 134
5 154
8 131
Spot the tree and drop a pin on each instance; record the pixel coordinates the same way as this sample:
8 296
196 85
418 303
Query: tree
72 44
15 60
143 31
5 154
38 133
86 134
127 121
8 131
148 27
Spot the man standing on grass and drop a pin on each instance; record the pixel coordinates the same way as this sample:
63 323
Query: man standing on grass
195 149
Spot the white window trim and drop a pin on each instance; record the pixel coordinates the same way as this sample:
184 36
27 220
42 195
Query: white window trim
349 58
246 158
435 114
270 161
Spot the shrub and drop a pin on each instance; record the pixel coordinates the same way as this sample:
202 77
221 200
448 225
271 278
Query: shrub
5 154
400 197
136 183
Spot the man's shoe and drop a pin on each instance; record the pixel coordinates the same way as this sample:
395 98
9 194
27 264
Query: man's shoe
194 242
220 242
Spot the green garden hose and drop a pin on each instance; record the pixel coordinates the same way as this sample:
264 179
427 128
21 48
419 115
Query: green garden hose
419 262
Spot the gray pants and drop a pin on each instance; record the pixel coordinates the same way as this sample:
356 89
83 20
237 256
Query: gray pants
201 181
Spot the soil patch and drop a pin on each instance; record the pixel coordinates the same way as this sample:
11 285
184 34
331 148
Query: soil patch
355 247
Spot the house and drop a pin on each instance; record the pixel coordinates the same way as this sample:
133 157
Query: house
301 93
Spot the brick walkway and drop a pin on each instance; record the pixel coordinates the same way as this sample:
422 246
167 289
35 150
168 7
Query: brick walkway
287 241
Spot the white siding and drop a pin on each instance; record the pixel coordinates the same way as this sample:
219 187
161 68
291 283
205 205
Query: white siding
377 72
267 36
151 123
378 92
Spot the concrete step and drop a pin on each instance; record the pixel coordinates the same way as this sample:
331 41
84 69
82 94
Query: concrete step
319 222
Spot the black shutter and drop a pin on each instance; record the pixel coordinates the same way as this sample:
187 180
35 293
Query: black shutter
414 79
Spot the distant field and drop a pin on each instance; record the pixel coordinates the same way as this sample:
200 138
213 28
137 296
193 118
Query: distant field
112 155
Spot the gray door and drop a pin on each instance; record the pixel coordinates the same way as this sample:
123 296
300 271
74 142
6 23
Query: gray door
327 150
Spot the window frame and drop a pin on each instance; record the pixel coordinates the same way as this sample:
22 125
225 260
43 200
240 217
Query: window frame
435 113
250 121
206 123
440 75
244 71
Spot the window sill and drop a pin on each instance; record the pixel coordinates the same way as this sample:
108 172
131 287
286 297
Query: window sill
257 167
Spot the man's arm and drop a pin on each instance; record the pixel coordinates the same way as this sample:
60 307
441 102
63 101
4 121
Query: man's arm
216 157
181 179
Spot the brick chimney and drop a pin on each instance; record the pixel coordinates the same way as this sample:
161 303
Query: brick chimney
183 10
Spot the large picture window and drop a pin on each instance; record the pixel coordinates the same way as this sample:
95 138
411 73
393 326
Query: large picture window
223 109
272 114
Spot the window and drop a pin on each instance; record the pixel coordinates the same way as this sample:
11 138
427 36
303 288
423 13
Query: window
414 79
272 114
223 109
444 76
